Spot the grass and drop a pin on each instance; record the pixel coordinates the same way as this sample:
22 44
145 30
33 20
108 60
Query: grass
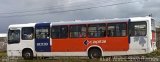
3 53
67 59
154 53
53 60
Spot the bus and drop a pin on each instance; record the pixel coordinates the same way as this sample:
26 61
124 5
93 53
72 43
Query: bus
91 38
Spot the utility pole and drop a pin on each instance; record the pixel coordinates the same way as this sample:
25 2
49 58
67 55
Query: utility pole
150 15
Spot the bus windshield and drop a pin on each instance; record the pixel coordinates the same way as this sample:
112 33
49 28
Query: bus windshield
13 36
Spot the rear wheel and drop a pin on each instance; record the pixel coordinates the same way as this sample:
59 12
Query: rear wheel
27 54
94 54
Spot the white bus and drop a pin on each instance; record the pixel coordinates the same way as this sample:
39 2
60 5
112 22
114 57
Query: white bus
92 38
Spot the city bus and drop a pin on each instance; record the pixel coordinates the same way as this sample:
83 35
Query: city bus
92 38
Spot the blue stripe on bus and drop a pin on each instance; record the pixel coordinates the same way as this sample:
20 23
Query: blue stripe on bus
42 45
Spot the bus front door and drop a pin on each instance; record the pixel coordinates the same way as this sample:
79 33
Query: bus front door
42 37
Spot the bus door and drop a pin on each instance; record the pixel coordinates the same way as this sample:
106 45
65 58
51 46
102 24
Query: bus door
42 37
13 48
138 35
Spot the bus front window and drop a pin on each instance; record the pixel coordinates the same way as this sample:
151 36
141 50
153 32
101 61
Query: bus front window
13 36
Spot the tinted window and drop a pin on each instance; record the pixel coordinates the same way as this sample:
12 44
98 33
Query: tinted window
13 36
78 31
42 33
27 33
59 31
138 28
116 29
97 30
153 24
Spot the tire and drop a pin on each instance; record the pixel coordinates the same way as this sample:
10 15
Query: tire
94 54
27 54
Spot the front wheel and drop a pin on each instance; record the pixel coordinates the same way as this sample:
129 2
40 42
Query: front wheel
27 54
94 54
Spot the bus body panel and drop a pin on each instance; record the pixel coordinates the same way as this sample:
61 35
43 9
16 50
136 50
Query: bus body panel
42 42
81 44
142 42
117 45
16 48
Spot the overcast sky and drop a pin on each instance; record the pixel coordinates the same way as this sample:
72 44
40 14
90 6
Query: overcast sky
28 11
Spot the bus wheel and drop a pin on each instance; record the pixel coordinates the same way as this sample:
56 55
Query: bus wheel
94 54
27 54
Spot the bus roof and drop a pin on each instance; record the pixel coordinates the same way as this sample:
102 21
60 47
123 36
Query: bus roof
115 20
101 21
90 21
141 18
23 25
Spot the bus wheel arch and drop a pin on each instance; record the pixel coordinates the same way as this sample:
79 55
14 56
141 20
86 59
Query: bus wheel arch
27 53
94 52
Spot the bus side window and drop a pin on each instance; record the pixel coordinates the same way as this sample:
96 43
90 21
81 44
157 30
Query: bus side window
138 28
59 31
97 30
110 31
42 33
78 31
116 29
27 33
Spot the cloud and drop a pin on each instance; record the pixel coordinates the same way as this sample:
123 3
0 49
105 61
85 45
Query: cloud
152 6
136 9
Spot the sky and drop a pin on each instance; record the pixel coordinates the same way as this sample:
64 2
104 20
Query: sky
34 11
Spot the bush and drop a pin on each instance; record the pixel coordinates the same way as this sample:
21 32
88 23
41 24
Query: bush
154 54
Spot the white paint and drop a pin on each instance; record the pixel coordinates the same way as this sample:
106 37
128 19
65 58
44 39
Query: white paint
90 21
16 48
3 34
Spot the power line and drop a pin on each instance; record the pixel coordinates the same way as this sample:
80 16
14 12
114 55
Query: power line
51 8
71 9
